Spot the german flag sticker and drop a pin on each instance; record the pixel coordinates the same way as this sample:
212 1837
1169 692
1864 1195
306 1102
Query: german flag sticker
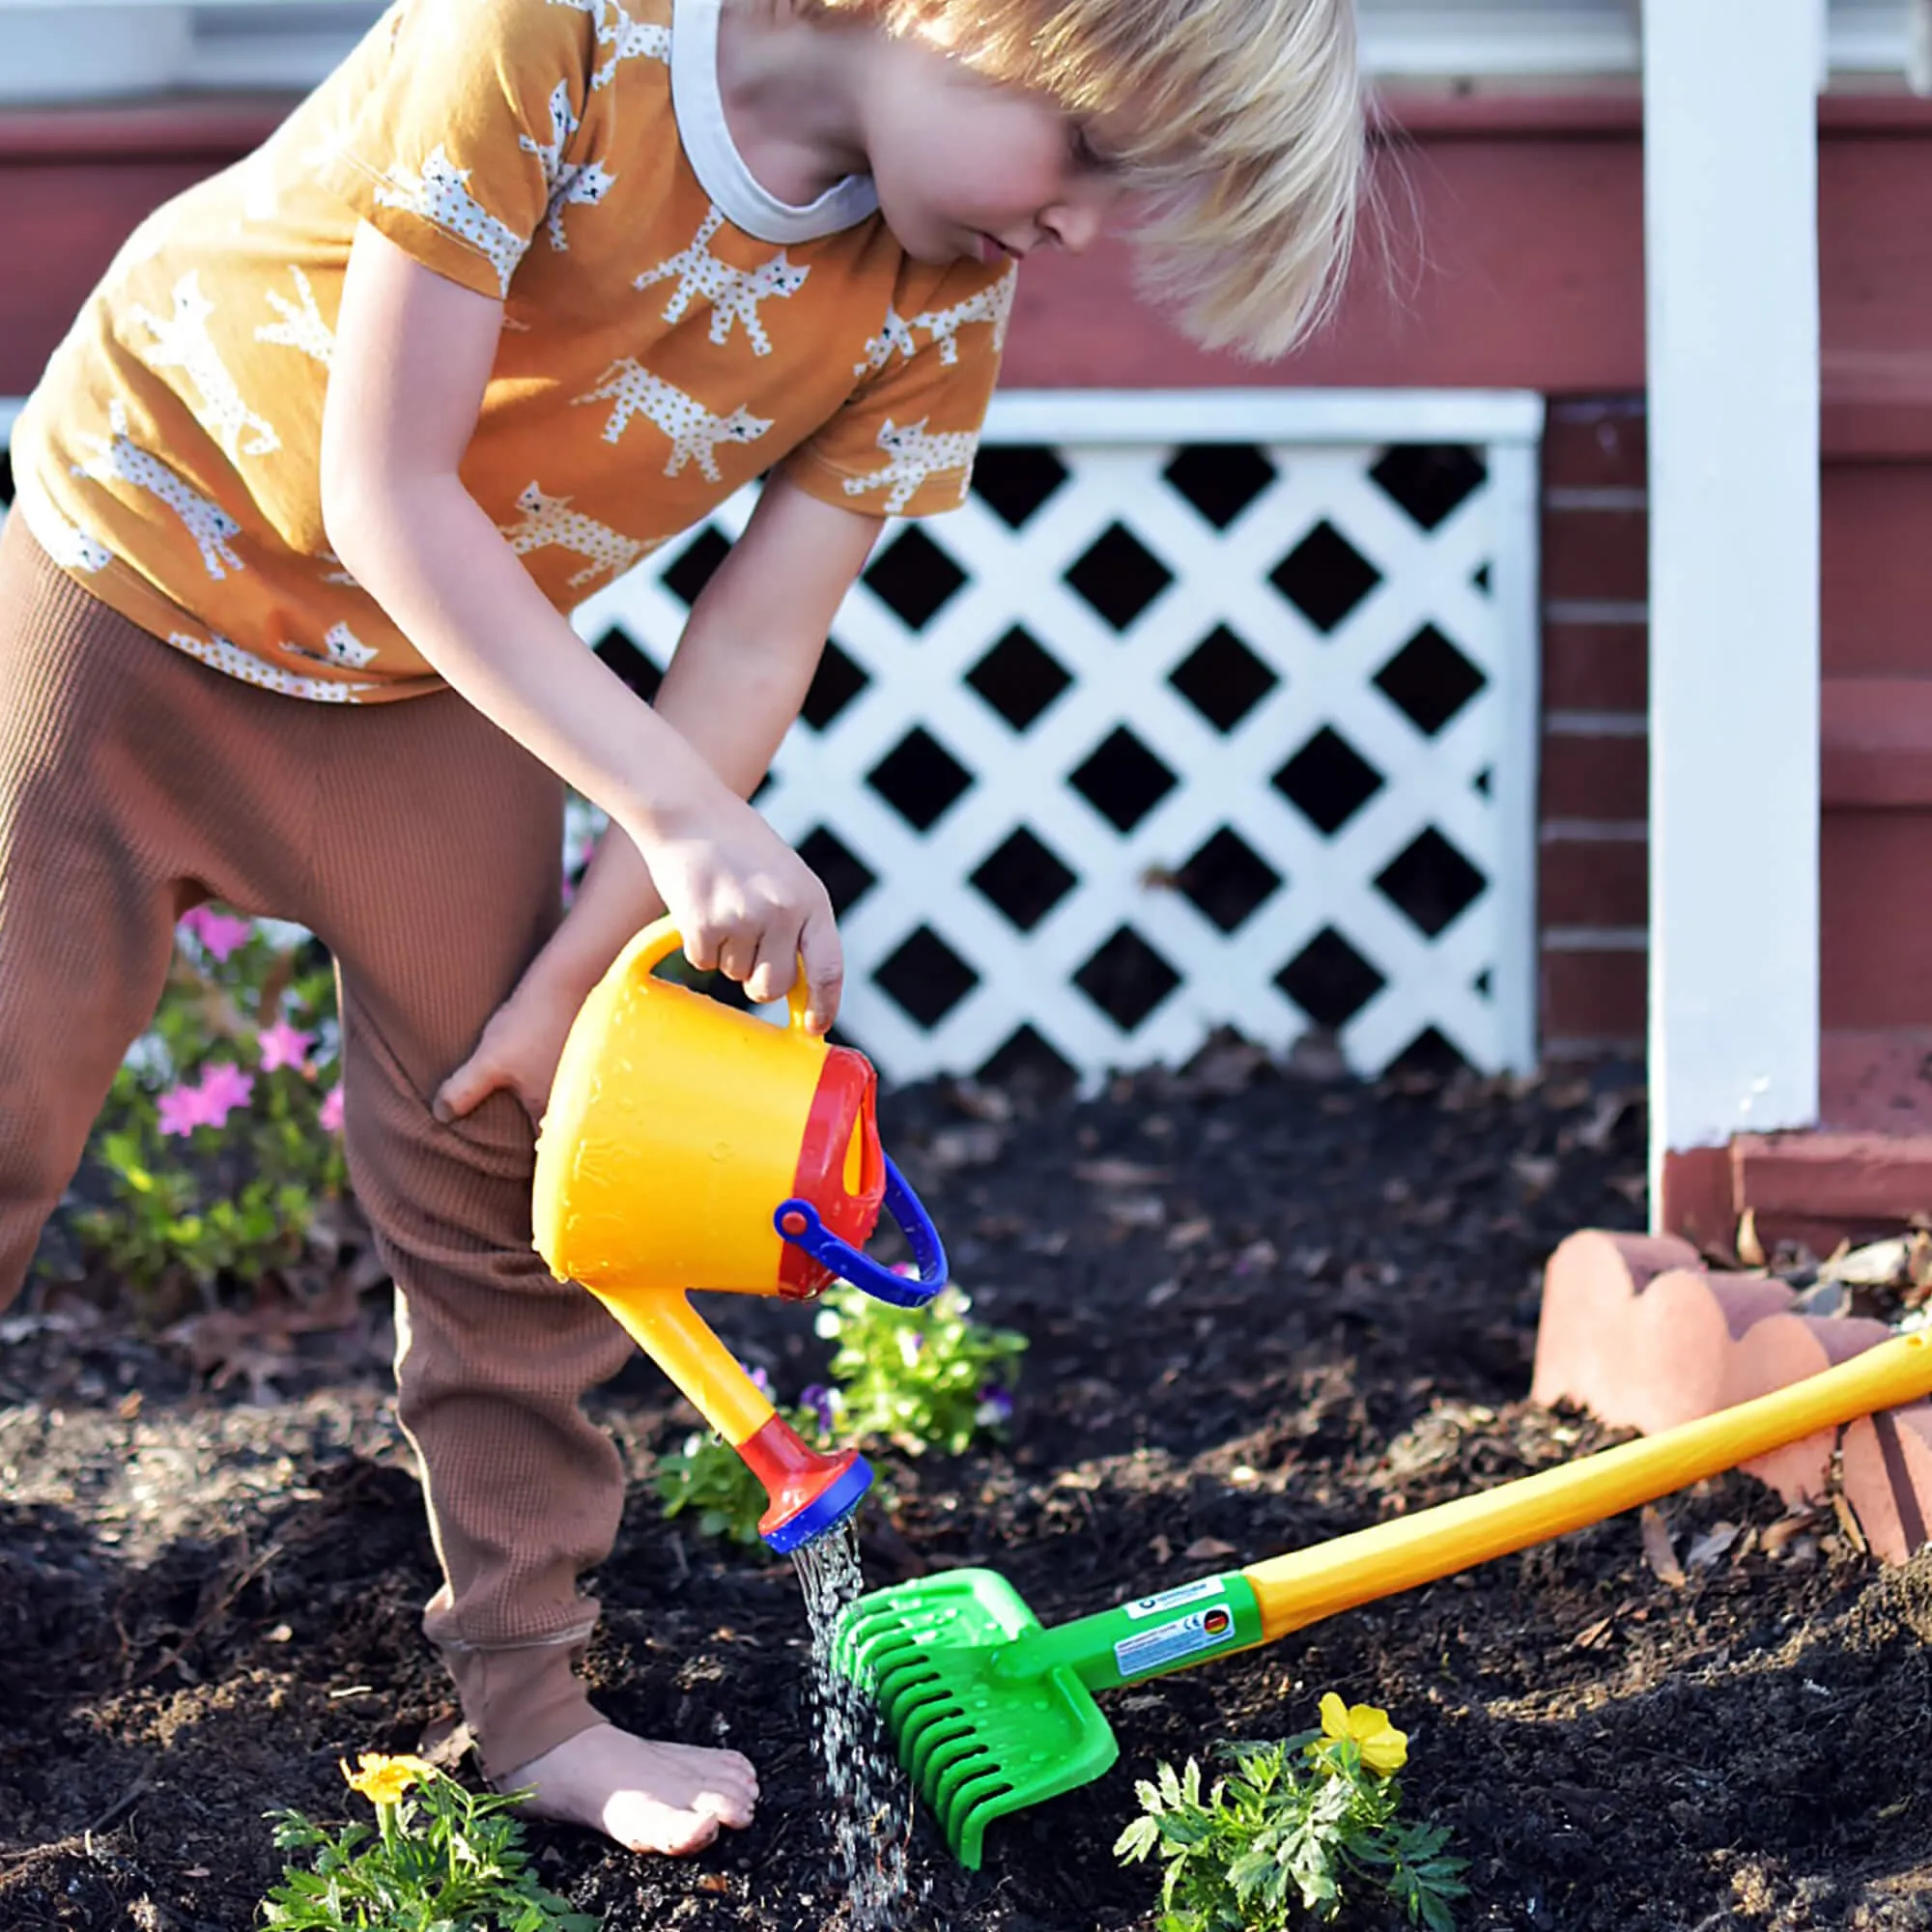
1217 1623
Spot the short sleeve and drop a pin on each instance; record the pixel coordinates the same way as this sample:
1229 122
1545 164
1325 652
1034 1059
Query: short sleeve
458 121
903 442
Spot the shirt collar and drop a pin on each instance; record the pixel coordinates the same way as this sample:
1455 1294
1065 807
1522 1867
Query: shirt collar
742 200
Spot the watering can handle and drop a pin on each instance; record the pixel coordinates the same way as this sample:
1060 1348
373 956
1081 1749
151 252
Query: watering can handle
659 941
798 1222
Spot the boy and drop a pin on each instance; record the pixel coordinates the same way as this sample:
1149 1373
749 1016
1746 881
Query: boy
520 293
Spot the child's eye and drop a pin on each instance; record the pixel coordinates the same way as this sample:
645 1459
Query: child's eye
1086 155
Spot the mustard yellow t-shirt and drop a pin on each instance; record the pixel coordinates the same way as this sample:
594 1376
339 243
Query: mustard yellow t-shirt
671 331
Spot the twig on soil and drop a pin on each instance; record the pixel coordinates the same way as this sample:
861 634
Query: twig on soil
214 1611
82 1840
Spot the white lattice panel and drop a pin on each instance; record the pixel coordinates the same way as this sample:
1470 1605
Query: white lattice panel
1264 758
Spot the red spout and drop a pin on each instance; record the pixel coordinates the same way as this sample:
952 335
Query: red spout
810 1493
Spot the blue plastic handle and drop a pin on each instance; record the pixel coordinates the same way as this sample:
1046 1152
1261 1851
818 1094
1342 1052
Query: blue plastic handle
798 1222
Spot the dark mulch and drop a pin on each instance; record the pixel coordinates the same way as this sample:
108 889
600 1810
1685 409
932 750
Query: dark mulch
1263 1311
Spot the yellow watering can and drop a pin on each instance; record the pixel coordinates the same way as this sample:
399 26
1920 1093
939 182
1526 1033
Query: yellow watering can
691 1146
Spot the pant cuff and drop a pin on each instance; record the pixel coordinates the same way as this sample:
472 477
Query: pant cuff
520 1703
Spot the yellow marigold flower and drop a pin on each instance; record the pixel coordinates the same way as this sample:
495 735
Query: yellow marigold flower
1384 1750
382 1781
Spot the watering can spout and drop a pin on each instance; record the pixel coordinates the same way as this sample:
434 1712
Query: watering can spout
691 1147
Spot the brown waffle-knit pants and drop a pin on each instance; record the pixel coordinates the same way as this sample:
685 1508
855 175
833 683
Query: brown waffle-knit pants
423 846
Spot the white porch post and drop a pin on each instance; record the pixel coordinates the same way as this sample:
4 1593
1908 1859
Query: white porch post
1731 206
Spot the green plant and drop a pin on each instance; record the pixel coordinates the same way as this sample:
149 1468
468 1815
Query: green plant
709 1476
220 1136
1291 1824
928 1377
441 1860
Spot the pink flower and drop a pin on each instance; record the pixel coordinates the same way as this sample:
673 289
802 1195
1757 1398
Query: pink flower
217 931
331 1116
182 1111
285 1045
223 1089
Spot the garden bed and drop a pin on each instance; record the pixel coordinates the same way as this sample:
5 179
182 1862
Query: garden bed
1263 1310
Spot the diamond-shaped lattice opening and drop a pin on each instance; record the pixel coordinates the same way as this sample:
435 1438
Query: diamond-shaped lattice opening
619 650
926 977
1123 781
1329 980
1327 781
1024 879
5 479
1484 984
691 570
835 684
1428 1057
1227 879
1482 782
920 779
1221 479
1119 576
1019 679
915 578
1429 480
846 876
1429 882
1324 576
1430 680
1222 678
1126 978
1025 1059
1480 578
1015 478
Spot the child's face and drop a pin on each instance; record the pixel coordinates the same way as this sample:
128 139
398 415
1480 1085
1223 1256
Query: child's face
965 167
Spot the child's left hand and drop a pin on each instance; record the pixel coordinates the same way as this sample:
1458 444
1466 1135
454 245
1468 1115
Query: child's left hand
518 1052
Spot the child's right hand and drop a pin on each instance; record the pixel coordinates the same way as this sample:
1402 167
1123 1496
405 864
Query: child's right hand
748 906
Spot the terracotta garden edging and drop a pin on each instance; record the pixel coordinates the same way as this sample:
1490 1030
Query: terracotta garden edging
1635 1329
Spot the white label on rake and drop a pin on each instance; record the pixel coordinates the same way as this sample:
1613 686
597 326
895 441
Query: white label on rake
1172 1600
1167 1643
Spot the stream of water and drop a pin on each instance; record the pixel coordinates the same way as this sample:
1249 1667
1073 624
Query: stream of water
870 1799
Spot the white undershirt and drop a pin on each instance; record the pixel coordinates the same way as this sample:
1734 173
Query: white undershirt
744 200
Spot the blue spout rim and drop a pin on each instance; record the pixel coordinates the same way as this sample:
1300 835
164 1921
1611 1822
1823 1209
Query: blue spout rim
825 1512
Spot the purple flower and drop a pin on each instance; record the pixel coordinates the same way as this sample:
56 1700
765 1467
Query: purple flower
330 1117
223 1089
996 1407
819 1399
285 1045
760 1381
217 931
182 1111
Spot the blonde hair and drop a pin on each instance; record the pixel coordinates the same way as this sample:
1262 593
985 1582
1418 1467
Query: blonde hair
1244 119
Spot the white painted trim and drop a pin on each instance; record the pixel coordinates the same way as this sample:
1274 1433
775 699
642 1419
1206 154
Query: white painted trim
1515 478
1731 164
1265 415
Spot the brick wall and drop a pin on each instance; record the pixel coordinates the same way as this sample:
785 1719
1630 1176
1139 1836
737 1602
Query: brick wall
1593 837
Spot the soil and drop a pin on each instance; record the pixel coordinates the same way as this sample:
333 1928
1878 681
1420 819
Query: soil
1264 1309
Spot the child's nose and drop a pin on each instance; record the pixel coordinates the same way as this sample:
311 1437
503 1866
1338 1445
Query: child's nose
1074 225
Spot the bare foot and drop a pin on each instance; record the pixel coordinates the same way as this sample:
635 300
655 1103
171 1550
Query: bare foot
648 1796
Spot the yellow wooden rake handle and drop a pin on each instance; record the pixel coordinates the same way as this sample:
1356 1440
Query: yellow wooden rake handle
1308 1584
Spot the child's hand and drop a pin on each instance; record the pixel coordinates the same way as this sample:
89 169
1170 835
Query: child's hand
519 1051
748 906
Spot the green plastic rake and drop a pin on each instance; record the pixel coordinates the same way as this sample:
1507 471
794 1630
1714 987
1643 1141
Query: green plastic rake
991 1711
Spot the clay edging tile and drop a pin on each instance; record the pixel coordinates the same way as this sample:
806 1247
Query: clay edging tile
1888 1476
1636 1331
1778 1352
